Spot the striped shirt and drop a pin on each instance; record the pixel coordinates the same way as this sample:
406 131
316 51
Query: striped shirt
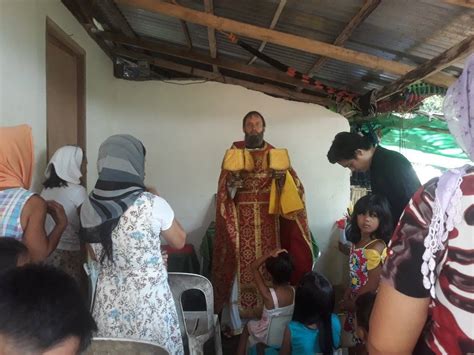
12 202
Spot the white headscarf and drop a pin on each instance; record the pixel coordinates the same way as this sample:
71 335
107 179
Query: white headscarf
67 162
459 108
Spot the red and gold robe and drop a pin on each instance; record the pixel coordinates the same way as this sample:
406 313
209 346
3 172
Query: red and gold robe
245 231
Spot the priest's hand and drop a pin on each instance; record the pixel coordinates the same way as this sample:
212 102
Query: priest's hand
277 252
235 181
280 176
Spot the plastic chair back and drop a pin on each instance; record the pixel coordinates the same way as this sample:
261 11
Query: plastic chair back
112 346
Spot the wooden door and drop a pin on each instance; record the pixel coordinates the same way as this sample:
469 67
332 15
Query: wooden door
65 91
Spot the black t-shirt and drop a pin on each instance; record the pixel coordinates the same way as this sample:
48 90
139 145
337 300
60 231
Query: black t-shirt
392 176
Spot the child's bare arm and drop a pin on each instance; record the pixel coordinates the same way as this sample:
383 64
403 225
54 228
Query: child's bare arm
260 282
373 274
373 281
286 343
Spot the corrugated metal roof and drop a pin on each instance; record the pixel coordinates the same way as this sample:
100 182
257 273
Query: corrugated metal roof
407 31
153 25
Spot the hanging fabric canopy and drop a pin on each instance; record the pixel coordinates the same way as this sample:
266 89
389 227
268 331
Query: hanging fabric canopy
419 132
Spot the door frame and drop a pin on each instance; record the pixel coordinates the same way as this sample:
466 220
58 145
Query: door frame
61 39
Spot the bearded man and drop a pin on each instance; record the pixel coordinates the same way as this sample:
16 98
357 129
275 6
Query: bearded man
249 225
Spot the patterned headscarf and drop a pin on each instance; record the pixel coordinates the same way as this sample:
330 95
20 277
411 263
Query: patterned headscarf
459 108
459 114
16 156
121 167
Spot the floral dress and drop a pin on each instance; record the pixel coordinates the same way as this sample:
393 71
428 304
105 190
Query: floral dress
361 260
133 298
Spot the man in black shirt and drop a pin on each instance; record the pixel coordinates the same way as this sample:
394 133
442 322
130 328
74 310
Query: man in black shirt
391 174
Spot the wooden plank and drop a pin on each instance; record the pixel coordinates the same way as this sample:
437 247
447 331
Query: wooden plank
465 3
185 69
211 34
276 17
434 65
366 9
283 39
264 73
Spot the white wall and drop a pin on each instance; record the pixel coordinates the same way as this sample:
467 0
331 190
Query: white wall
23 69
185 128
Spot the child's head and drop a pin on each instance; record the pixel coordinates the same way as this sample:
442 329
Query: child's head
12 253
364 305
371 215
314 304
280 268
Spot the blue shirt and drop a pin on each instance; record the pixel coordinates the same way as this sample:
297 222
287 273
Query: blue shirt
305 340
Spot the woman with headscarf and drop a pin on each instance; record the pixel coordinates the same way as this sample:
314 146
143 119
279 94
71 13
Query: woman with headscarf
124 222
22 213
425 304
63 185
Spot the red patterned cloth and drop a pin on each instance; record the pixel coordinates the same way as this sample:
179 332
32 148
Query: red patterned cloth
449 329
245 230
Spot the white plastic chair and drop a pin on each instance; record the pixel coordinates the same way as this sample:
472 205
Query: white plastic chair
113 346
198 326
276 329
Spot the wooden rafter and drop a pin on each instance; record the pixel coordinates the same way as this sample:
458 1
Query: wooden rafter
434 65
276 17
185 28
185 69
263 73
82 12
284 39
116 19
211 33
366 9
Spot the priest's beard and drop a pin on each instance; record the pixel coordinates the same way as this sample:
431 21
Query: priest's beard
253 141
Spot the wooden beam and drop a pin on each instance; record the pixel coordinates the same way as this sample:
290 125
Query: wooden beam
185 28
117 21
276 17
264 73
86 21
434 65
211 34
366 9
465 3
185 69
187 35
283 39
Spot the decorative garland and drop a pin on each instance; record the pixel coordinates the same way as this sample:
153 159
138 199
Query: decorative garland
337 95
347 101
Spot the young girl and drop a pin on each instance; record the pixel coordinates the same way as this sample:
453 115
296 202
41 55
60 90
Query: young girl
63 185
277 300
371 230
314 328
